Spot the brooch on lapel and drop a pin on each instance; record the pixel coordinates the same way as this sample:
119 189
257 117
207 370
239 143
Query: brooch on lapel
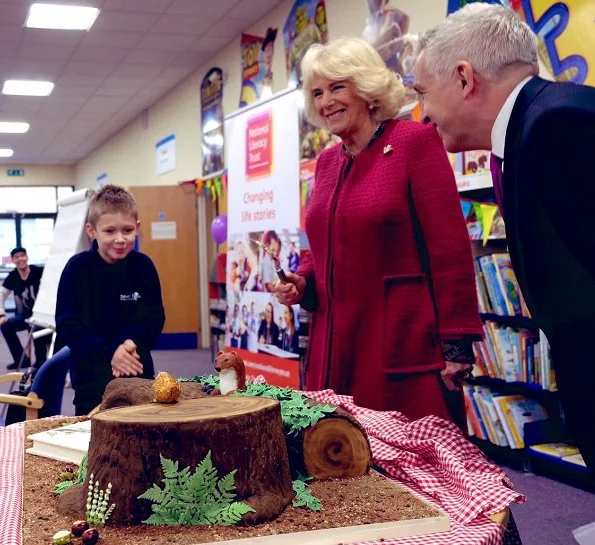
388 149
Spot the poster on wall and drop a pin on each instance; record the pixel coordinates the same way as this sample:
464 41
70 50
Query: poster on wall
165 154
211 109
565 37
305 25
102 180
387 31
263 206
257 66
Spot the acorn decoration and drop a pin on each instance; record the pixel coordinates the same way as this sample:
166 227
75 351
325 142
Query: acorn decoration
166 388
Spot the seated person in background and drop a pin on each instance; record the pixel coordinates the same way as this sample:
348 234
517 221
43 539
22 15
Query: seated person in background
268 332
290 341
109 310
24 283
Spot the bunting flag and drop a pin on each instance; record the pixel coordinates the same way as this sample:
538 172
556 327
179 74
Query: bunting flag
217 184
477 210
212 187
466 206
305 189
488 213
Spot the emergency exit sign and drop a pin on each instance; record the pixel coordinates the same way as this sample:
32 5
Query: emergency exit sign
15 171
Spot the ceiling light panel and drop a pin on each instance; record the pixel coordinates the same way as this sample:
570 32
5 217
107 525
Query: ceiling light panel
27 88
6 152
14 127
61 17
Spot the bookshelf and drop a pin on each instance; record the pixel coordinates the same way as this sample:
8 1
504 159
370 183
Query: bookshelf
516 321
474 182
513 388
511 401
218 304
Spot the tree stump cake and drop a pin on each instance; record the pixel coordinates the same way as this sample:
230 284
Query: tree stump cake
242 433
335 447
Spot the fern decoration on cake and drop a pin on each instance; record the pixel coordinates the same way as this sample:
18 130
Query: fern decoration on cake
197 499
304 496
79 478
207 380
297 411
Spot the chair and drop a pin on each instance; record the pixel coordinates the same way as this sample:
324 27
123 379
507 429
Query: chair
31 402
35 332
42 392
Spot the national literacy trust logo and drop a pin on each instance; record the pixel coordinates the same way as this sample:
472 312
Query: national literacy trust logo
259 144
133 297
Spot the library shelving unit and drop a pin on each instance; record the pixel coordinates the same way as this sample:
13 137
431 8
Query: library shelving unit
218 304
531 383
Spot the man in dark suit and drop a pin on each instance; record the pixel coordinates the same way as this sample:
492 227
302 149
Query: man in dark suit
477 77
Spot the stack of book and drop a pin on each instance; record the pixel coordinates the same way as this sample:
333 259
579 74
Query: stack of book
497 287
514 355
500 419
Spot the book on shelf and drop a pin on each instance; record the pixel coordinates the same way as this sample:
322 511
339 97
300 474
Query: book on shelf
556 450
497 287
500 419
476 161
575 459
514 355
68 443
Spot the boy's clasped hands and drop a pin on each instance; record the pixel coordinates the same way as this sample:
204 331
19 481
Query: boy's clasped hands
126 361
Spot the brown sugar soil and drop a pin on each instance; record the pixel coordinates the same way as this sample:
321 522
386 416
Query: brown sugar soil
346 502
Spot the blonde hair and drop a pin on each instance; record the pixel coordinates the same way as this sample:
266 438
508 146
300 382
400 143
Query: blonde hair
111 199
356 61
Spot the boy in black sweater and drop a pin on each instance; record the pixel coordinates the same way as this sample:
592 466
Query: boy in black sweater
109 310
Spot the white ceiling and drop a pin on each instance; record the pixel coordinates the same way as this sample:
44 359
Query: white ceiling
136 51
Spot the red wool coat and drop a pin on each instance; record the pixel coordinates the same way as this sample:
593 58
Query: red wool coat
379 318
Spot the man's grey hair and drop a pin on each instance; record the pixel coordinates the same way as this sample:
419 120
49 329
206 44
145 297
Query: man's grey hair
490 37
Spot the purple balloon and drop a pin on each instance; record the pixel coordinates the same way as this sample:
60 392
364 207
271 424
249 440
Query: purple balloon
219 229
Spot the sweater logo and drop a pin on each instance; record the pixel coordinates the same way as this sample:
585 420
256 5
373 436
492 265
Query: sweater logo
133 297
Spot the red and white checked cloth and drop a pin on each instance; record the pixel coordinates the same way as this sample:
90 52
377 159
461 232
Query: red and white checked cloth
12 446
430 456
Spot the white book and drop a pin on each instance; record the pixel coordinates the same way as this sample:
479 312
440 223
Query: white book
68 443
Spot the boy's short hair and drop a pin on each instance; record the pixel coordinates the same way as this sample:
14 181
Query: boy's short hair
18 250
111 199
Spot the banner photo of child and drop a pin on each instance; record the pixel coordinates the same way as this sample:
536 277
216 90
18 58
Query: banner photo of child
284 245
243 265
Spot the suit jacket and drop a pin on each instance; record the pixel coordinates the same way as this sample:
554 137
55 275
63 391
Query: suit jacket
549 202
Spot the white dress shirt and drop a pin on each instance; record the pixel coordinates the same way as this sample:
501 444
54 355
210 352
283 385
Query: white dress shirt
503 119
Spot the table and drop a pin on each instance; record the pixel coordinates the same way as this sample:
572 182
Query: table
429 456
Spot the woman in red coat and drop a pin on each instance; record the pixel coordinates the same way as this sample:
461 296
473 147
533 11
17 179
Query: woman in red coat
389 276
